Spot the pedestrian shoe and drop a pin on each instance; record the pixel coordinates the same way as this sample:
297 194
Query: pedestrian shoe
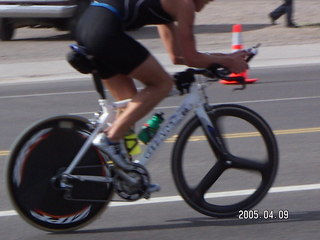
292 25
273 21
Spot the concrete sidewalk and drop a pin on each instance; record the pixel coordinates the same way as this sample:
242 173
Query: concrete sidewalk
271 56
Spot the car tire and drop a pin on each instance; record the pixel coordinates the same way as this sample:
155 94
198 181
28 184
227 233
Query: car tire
6 29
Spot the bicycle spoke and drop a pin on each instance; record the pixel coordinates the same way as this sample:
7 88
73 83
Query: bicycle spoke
247 164
209 179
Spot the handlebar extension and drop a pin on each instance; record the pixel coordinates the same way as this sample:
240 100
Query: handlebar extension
184 79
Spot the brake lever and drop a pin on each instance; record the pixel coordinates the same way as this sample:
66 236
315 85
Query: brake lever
253 52
221 72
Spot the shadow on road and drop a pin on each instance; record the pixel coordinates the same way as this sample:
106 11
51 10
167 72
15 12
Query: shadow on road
205 222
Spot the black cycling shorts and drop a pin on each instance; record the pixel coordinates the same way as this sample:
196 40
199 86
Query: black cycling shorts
101 32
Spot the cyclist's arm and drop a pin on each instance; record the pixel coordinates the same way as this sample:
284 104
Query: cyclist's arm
168 35
184 13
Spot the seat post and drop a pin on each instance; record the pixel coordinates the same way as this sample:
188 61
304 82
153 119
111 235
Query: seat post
85 63
98 84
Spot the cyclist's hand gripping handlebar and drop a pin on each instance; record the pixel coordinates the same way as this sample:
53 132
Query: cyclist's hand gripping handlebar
183 80
221 72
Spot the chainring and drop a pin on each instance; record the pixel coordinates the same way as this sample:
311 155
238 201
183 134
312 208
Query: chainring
129 192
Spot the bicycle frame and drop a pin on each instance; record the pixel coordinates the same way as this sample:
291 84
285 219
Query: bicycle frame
196 99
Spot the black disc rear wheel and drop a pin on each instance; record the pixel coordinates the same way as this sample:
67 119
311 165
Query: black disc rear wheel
40 154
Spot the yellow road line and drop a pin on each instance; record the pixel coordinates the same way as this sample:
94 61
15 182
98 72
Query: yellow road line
4 153
296 131
230 135
252 134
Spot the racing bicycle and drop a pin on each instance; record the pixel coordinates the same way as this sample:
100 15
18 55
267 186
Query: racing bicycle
59 181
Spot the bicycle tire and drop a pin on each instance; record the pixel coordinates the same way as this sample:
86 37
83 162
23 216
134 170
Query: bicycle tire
39 154
208 194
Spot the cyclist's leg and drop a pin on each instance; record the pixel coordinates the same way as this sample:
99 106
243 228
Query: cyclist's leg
158 84
127 86
121 87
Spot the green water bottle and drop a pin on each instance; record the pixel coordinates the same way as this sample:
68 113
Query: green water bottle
150 128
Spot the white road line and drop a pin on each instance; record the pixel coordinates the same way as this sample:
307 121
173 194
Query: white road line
240 102
8 213
45 94
84 92
294 188
277 99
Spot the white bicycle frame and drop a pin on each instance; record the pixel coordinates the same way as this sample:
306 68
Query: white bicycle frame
195 99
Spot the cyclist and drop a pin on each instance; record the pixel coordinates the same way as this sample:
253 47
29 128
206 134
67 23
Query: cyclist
120 58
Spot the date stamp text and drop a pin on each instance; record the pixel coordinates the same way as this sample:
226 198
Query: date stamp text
264 215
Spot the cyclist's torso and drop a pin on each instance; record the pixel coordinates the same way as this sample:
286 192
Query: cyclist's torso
137 13
101 30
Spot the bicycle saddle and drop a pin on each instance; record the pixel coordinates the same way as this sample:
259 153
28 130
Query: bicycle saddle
79 59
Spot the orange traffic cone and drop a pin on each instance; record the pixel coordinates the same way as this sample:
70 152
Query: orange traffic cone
236 46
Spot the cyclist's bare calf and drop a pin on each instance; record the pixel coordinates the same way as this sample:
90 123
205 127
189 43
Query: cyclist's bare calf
158 83
123 82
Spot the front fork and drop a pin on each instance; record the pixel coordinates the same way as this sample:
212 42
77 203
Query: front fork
211 131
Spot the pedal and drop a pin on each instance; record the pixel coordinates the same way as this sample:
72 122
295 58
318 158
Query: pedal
151 189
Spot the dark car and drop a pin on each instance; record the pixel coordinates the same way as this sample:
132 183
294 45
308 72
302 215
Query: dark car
61 14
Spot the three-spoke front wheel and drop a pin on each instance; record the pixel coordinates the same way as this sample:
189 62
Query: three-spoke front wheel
232 172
